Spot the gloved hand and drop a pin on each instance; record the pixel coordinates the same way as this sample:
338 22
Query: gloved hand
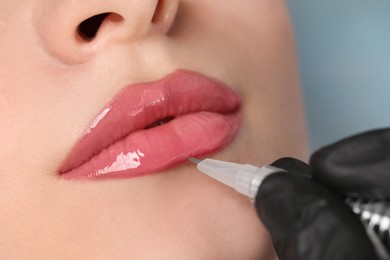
305 211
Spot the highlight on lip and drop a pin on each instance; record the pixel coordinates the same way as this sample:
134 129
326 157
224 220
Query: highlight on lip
123 162
149 127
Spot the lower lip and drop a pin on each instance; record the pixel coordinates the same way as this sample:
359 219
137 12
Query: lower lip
156 149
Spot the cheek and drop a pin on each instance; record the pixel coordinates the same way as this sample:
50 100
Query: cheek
273 124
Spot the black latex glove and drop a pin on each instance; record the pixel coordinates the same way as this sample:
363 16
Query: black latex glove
303 210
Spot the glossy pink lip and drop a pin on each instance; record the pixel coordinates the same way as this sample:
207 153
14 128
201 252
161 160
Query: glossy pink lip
200 114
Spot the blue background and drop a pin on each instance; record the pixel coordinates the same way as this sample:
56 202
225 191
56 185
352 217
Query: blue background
344 57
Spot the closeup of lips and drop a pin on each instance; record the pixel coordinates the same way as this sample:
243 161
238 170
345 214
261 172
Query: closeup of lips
149 127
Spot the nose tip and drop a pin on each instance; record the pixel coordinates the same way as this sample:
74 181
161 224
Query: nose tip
74 31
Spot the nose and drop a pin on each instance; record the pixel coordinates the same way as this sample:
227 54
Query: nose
73 31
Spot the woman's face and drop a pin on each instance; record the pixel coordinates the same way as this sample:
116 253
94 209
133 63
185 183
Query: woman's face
59 81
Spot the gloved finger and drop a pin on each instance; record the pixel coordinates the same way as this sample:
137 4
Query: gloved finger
359 164
307 222
294 166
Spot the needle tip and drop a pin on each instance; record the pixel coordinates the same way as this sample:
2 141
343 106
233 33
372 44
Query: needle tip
194 160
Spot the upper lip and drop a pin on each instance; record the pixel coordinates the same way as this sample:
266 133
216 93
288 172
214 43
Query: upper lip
148 103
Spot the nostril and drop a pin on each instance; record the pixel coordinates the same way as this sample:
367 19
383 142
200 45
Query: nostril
89 28
157 13
165 13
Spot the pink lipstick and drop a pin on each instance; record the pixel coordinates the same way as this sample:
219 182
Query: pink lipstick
149 127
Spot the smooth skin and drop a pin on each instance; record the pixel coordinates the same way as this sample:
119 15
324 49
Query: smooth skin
53 82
